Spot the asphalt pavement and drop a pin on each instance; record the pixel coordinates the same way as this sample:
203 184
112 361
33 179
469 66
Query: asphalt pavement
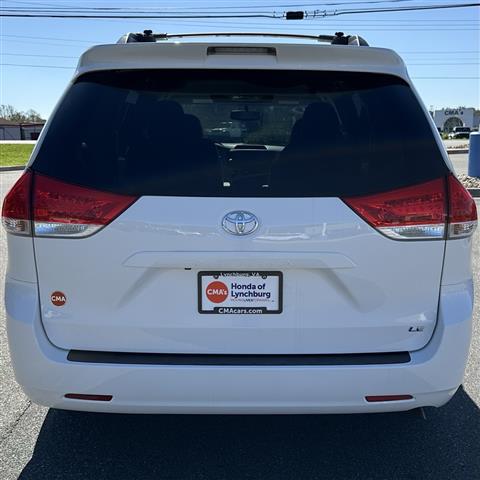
39 443
460 163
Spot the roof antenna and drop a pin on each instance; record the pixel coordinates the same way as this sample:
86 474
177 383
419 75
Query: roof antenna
146 36
340 39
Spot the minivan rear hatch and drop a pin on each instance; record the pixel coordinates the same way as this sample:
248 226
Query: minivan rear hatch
239 211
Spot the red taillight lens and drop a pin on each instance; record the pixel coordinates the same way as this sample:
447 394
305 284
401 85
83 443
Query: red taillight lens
420 212
462 211
417 212
16 206
56 208
63 209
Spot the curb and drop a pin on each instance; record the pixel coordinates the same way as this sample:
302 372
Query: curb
12 169
453 151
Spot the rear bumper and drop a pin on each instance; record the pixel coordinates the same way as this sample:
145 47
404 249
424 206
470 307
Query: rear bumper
46 375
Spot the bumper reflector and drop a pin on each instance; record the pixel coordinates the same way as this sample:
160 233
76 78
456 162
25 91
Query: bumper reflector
86 396
387 398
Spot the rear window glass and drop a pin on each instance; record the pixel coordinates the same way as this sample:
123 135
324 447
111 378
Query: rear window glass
240 133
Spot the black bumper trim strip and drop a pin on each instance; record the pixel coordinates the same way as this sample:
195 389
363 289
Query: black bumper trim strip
128 358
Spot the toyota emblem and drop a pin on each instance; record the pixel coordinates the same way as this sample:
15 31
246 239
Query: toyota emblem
240 223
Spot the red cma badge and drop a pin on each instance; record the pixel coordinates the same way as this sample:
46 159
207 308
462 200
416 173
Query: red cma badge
58 298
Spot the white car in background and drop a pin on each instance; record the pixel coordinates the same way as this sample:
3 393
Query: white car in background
459 133
321 264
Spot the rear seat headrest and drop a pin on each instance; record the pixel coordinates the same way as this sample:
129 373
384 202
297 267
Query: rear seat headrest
169 108
322 112
192 126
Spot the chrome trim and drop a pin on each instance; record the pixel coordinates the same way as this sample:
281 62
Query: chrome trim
415 232
240 222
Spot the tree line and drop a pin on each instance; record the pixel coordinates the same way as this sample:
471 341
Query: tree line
8 112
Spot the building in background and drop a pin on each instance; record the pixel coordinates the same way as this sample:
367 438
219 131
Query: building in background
447 119
10 130
31 131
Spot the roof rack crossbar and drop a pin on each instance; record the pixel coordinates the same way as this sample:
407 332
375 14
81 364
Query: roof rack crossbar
338 39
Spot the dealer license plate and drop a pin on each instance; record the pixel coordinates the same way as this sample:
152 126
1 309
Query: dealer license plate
240 292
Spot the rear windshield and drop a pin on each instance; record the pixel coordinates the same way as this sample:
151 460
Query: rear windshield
240 133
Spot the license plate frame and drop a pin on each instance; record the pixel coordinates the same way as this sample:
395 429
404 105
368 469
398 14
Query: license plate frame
223 275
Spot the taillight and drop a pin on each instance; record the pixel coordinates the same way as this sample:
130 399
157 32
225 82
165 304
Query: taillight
462 211
63 209
420 212
16 212
56 208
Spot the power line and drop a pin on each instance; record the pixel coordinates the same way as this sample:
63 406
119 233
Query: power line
33 15
49 38
405 9
363 21
34 66
96 41
186 15
57 7
13 38
42 43
126 10
36 55
312 23
59 43
34 3
224 7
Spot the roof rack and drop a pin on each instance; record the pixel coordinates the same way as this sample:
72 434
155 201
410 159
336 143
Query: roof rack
338 39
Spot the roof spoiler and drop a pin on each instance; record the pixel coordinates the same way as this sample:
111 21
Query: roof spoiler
338 39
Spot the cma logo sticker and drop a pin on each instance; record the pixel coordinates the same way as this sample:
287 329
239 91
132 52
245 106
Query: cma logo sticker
58 299
217 292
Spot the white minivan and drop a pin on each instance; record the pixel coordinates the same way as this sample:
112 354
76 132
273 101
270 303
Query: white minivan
239 224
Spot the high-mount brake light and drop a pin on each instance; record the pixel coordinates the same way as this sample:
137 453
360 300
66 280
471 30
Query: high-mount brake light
428 211
241 51
45 206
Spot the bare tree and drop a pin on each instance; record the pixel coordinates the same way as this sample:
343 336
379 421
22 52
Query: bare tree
8 112
33 116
